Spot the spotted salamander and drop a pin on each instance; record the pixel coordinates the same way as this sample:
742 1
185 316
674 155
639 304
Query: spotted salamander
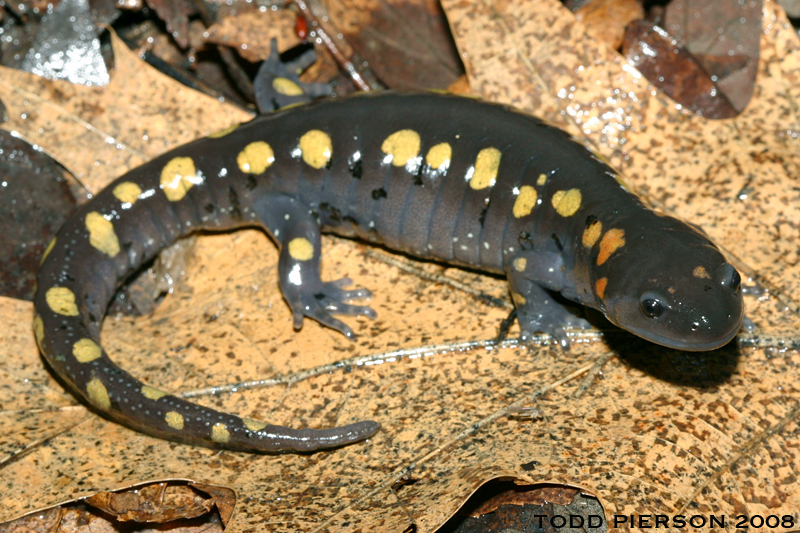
440 177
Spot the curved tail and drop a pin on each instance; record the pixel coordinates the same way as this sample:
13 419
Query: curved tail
78 277
79 360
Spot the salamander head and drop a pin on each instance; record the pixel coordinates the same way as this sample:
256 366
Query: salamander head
677 291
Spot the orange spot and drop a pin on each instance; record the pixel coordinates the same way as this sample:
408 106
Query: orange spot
600 287
613 240
701 272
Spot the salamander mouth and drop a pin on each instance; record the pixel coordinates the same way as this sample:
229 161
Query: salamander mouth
688 346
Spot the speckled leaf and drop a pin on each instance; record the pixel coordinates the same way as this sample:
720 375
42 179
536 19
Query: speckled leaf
99 132
736 178
655 431
250 32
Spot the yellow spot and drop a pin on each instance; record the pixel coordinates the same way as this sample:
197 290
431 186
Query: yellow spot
127 192
48 250
177 177
255 158
220 433
525 202
287 87
568 202
61 300
253 425
541 180
98 394
101 234
402 145
316 147
301 249
592 233
439 156
519 264
701 272
223 133
86 350
152 393
38 329
613 240
519 300
600 287
174 420
486 166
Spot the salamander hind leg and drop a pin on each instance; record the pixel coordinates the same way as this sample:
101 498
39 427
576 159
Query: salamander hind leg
297 231
534 279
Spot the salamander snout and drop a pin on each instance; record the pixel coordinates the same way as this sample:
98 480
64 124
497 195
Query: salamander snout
695 307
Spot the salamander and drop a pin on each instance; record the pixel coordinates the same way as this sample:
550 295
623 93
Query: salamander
439 177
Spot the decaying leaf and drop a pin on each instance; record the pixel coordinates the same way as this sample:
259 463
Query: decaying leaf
660 57
158 502
403 41
98 133
605 20
250 32
655 431
34 203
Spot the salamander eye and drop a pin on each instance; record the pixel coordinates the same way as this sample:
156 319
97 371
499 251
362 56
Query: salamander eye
729 277
735 281
652 305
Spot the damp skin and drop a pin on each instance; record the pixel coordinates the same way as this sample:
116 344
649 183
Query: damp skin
439 177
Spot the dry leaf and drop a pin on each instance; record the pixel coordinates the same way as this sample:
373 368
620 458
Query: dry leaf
250 32
656 432
158 502
99 132
606 20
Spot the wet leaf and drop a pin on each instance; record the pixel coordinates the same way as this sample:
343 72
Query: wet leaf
723 36
159 502
99 132
403 40
645 429
606 20
250 32
175 13
35 201
674 70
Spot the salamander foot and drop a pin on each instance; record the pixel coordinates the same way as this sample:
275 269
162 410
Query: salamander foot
324 300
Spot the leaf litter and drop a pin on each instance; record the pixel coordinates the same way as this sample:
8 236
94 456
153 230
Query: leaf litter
655 432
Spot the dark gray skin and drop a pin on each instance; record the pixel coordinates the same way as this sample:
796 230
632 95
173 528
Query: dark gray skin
504 202
672 306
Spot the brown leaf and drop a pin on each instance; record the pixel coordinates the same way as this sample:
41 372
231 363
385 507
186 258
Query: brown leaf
175 14
250 32
722 35
224 499
158 502
404 41
654 430
674 71
606 20
99 132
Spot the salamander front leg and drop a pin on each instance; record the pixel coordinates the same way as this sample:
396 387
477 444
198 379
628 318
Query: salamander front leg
277 84
297 231
533 278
